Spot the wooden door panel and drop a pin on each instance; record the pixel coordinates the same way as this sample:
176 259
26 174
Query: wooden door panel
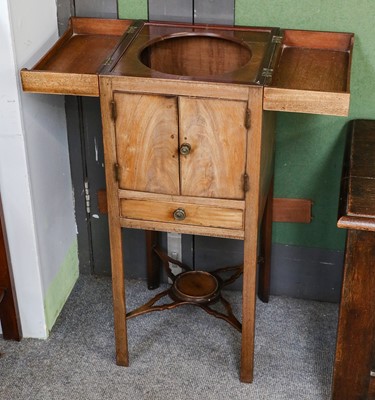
147 143
216 132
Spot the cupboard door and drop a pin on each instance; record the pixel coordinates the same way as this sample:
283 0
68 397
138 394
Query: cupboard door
147 142
215 135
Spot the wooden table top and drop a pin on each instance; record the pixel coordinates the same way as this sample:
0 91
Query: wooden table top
357 199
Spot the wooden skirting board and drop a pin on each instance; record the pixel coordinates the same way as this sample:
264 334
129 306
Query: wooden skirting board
292 210
284 210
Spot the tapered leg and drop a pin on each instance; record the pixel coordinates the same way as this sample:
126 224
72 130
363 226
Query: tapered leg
259 162
115 237
118 289
356 328
264 280
248 308
153 262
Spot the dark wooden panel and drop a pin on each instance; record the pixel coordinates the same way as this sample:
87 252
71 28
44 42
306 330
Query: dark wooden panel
362 197
185 56
264 272
371 391
357 205
356 330
355 350
169 44
363 149
292 210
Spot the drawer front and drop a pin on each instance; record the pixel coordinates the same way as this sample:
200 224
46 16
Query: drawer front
182 213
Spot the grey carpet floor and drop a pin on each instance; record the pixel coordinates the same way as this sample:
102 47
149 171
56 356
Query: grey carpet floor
183 354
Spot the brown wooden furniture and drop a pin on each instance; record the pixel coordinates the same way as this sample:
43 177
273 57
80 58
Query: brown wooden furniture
309 72
188 132
355 356
9 317
202 192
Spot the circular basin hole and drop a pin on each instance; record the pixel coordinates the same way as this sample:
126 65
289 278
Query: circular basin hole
195 55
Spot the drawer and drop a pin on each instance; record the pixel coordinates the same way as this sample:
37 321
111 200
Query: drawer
182 213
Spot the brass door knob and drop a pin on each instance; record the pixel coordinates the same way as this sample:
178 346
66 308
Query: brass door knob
185 149
179 214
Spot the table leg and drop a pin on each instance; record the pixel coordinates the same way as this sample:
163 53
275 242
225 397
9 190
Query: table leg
356 328
248 306
264 279
153 262
118 290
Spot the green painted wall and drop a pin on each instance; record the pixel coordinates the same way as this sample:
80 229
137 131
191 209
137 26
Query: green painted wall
309 148
60 288
133 9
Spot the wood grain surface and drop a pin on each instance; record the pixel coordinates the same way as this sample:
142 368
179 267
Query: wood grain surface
355 348
72 64
357 209
196 214
216 131
252 230
147 143
115 237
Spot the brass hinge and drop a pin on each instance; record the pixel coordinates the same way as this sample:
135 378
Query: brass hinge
108 61
248 119
113 111
277 39
267 72
116 170
132 29
246 184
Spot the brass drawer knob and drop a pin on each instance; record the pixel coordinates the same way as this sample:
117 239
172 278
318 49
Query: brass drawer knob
185 149
179 214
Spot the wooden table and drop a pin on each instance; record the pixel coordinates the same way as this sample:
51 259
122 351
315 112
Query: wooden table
189 134
356 330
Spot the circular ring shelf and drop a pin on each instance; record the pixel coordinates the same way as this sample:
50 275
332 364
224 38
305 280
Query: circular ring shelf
196 287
